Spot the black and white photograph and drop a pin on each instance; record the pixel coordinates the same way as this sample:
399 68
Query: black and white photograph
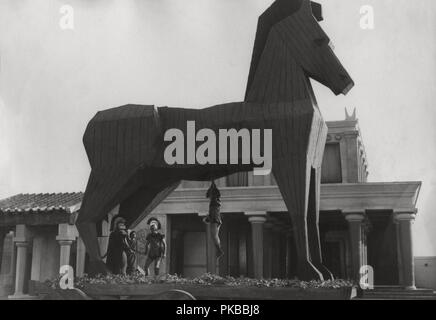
222 152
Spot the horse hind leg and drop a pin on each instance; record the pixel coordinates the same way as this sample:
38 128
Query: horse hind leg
86 225
293 177
313 223
319 136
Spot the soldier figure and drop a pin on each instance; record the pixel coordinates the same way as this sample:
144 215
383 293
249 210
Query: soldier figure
214 218
155 246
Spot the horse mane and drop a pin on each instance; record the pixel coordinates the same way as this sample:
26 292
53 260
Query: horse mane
279 10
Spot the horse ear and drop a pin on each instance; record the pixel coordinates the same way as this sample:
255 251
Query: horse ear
317 11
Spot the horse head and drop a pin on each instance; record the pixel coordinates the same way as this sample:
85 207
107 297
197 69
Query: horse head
295 23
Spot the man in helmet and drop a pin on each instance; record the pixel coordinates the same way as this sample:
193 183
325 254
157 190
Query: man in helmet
118 247
155 246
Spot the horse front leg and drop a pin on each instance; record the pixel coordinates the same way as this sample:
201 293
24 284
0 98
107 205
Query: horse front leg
292 174
96 204
318 139
313 224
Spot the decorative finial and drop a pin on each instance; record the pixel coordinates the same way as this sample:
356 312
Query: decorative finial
352 117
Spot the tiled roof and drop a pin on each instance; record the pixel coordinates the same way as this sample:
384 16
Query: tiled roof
42 202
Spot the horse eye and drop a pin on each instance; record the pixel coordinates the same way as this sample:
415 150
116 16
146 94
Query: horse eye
321 41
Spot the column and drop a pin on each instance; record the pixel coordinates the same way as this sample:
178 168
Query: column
352 156
257 219
398 247
20 277
80 257
406 259
38 245
22 242
267 250
66 235
2 239
289 262
355 219
65 248
282 261
8 264
276 245
366 226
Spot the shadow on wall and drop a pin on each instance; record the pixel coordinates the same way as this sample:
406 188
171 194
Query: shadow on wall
425 272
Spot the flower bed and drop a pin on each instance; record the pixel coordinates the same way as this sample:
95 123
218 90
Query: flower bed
210 286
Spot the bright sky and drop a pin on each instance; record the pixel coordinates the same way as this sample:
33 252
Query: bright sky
196 53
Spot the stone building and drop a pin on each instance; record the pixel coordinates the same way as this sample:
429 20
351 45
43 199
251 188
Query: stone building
361 223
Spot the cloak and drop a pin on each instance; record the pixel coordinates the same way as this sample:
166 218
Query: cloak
116 247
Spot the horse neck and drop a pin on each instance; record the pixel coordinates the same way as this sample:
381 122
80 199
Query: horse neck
279 78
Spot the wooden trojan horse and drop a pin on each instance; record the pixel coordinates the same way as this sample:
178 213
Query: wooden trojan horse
125 145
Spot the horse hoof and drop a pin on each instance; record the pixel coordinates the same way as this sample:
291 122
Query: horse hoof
308 272
326 273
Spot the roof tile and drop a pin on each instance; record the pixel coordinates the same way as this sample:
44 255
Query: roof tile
40 202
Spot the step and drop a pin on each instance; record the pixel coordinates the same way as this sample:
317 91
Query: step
400 293
397 288
398 298
397 293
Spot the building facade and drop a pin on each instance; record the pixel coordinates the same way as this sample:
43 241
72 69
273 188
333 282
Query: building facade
361 223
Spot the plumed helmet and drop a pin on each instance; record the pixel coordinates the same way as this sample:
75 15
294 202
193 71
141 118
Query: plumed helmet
154 221
116 221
